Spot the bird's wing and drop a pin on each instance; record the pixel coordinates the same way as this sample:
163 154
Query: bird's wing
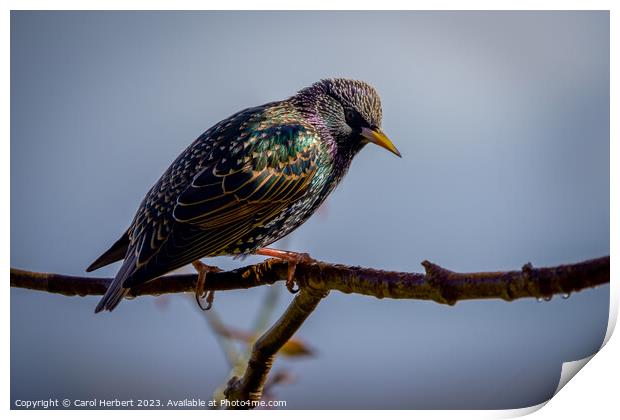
243 185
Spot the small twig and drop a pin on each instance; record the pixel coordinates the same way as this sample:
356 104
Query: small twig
250 386
267 308
223 336
226 334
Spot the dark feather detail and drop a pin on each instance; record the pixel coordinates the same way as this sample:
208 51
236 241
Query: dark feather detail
246 182
115 253
221 212
116 292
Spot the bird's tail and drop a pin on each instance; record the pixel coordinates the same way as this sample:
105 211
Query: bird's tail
116 292
115 253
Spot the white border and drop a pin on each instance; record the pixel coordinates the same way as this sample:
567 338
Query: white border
593 394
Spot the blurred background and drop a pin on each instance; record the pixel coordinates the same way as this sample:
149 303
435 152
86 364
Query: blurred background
503 122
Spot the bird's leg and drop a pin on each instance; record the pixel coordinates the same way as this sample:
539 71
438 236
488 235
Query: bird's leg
293 258
201 293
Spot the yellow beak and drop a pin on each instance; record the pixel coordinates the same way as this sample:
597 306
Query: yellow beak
377 137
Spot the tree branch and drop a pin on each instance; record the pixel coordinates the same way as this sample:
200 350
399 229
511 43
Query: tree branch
250 386
437 284
316 279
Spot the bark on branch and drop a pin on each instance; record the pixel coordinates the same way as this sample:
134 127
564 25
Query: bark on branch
437 284
316 279
250 386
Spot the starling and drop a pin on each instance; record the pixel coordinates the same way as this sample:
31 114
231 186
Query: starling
246 182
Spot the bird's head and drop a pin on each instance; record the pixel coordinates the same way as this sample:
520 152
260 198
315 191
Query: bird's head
350 110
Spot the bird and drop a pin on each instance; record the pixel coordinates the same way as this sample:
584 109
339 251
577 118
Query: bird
245 183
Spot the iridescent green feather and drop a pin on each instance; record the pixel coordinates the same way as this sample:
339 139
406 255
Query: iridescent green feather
270 164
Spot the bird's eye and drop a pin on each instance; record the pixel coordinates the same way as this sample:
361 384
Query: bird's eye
350 115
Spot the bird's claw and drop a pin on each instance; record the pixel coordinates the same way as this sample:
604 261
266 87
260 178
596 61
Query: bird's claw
201 292
294 259
290 282
210 296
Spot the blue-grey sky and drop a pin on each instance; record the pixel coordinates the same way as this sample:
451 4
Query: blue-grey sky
503 122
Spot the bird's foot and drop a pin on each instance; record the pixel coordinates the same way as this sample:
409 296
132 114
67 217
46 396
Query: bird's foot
203 294
293 258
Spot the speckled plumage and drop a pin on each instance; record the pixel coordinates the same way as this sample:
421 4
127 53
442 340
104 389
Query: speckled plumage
245 183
